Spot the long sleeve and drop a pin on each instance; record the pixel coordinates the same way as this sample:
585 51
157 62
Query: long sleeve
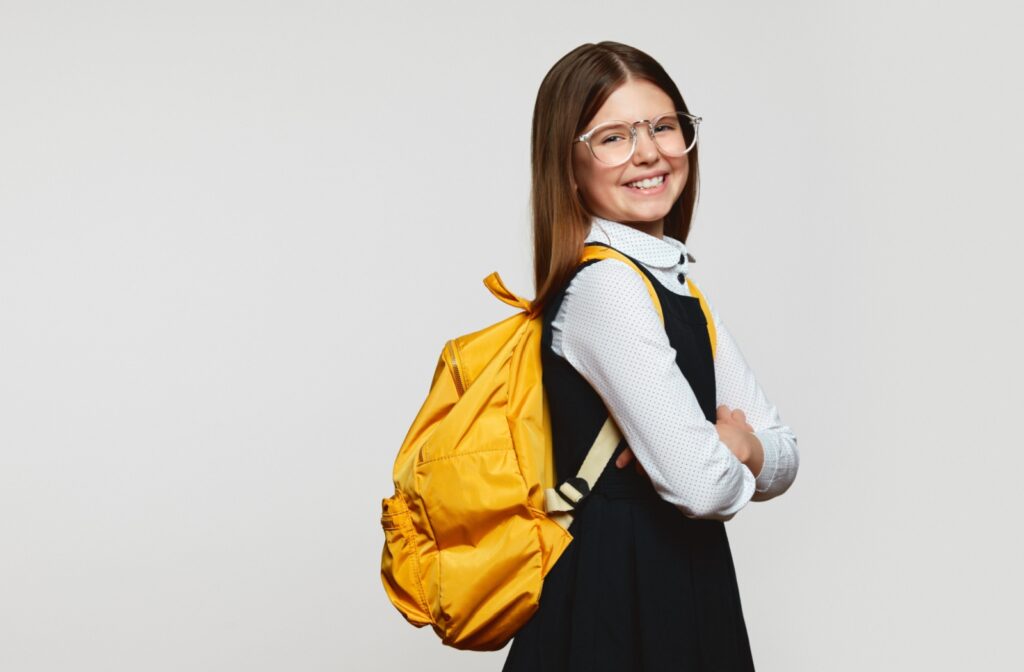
609 331
738 388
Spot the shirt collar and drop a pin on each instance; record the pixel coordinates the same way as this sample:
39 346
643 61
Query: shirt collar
665 252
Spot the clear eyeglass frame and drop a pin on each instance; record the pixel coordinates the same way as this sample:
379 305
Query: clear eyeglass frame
695 120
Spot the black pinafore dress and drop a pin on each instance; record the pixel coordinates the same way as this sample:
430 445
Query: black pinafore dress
641 587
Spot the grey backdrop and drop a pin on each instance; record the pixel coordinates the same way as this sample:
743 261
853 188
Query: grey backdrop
235 235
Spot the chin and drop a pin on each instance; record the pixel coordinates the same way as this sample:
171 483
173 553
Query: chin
647 214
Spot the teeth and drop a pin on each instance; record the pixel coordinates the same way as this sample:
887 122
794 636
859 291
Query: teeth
648 183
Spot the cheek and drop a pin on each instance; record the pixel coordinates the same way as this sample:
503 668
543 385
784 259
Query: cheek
683 175
600 186
610 190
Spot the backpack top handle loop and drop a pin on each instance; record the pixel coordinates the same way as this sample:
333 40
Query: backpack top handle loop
494 283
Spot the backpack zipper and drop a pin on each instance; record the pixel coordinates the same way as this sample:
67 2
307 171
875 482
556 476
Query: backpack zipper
453 362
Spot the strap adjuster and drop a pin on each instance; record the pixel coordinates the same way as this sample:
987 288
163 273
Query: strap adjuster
574 490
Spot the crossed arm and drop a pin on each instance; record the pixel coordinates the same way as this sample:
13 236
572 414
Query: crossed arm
609 330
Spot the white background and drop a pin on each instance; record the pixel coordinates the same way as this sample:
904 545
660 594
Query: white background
234 237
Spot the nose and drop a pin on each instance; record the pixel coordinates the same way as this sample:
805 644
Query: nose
646 150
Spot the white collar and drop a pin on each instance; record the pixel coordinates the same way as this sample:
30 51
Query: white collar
665 252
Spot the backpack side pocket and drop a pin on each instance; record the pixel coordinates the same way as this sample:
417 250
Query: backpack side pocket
400 565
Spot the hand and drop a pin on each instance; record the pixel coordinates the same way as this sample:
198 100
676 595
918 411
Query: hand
734 417
736 433
625 458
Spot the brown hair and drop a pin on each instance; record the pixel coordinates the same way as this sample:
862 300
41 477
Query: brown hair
572 92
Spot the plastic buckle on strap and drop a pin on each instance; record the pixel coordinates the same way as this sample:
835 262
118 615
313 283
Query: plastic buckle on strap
574 490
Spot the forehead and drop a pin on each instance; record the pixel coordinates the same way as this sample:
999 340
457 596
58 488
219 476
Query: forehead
636 99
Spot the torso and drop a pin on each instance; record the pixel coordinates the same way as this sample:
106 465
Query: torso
641 587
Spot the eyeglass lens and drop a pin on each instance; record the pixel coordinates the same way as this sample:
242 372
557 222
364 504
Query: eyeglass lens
674 134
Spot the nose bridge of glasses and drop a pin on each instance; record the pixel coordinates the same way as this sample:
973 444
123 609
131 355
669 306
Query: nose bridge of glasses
648 125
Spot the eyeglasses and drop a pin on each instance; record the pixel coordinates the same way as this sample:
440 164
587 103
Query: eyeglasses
613 142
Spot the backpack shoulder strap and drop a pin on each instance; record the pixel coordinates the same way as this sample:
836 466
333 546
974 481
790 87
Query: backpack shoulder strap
712 332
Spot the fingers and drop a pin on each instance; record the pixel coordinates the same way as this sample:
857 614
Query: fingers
741 420
625 457
734 417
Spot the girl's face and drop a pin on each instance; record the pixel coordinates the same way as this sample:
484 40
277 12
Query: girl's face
604 188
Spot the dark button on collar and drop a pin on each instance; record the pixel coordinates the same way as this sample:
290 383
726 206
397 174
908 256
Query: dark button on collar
682 278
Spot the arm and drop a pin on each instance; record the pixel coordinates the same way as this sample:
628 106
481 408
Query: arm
738 388
608 330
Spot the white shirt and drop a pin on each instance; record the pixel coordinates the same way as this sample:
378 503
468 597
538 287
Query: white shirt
608 329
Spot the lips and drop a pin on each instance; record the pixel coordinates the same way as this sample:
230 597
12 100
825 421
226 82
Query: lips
640 178
647 192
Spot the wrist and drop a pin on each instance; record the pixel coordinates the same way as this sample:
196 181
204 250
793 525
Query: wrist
755 454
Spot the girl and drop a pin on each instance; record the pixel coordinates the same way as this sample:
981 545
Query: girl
648 581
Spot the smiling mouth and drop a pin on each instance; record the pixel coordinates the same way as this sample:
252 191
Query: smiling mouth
649 183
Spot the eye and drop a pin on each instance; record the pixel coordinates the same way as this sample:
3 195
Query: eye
611 138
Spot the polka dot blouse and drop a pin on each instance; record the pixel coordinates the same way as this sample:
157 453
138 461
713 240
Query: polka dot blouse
608 330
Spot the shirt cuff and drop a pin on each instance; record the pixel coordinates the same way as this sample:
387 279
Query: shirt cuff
771 460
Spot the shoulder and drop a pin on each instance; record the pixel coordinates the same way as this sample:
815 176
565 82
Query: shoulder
607 279
606 310
610 289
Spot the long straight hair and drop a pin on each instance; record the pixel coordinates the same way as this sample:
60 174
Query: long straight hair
572 92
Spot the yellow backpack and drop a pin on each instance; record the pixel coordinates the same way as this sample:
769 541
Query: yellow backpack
476 521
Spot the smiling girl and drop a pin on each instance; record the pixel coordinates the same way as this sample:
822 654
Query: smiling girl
648 582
